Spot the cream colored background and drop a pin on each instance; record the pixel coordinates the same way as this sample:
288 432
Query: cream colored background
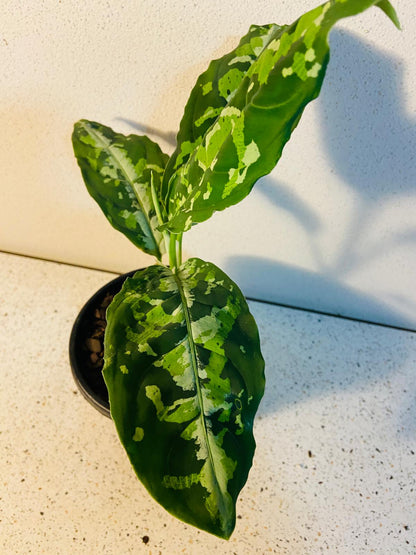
332 228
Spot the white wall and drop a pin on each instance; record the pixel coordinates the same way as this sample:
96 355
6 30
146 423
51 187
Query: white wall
332 228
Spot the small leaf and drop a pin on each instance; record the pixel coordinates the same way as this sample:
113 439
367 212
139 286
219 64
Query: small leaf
185 376
243 110
117 171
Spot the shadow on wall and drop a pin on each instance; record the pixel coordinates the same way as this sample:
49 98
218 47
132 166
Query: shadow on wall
300 288
370 142
168 136
369 138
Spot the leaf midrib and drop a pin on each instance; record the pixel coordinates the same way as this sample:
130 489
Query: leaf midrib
194 360
111 150
190 160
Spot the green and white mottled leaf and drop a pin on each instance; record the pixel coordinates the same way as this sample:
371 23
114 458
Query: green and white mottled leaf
118 171
244 108
185 376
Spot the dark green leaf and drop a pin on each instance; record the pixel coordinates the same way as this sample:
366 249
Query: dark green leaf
117 171
243 110
185 376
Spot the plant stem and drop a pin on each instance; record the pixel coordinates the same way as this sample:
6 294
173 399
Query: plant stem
166 235
179 250
172 253
173 241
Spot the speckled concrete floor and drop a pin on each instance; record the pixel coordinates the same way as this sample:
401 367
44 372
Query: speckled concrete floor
334 470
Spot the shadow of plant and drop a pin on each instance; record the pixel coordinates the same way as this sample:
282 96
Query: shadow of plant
168 136
369 139
300 288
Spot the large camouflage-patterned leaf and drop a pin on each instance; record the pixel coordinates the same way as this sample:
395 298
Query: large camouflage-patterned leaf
117 171
185 376
244 108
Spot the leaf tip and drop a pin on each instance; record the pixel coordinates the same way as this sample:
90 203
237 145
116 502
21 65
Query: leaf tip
388 9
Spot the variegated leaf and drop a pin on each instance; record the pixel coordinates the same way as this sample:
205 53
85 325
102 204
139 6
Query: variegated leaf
185 376
244 108
118 171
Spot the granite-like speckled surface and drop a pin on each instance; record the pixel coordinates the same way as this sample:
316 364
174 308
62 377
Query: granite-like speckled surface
334 470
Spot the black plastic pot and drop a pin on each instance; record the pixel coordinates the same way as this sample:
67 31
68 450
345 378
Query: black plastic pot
89 380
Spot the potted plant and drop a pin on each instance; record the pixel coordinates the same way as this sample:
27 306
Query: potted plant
182 360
